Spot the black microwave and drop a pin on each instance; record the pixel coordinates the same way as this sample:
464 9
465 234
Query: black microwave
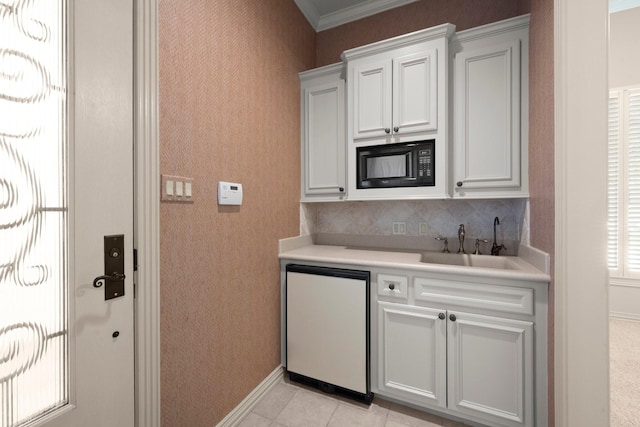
407 164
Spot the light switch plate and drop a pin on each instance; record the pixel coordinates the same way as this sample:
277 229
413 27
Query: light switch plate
424 228
399 228
176 189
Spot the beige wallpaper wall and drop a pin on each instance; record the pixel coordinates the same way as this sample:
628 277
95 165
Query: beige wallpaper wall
415 16
541 151
229 110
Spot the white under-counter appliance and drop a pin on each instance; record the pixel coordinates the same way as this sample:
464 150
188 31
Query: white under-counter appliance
327 329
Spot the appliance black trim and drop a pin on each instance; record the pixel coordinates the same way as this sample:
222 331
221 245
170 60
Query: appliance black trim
349 274
412 151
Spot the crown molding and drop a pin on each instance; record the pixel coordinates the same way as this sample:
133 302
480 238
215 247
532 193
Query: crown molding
492 29
439 31
348 14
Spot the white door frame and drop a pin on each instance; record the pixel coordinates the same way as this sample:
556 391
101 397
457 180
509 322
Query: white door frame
147 214
581 292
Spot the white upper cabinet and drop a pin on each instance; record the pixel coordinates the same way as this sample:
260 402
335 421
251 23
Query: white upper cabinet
397 92
323 134
372 99
396 95
467 93
490 111
415 92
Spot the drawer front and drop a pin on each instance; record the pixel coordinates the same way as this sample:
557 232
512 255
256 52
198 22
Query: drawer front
496 298
391 285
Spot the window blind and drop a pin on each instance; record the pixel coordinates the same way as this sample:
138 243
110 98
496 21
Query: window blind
613 179
623 186
632 107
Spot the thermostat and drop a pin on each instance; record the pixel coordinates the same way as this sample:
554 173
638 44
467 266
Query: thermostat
229 193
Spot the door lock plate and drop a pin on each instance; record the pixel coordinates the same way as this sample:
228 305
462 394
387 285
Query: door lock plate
113 266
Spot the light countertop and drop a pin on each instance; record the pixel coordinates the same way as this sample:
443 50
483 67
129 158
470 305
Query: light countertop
303 249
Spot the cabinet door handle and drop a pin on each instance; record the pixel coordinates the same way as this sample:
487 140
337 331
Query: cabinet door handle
387 130
396 129
341 189
392 286
441 316
452 317
459 183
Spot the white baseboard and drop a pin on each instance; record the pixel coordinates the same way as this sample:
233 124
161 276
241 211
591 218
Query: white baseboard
243 409
624 298
624 316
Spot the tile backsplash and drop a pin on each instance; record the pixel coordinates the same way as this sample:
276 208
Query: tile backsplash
376 218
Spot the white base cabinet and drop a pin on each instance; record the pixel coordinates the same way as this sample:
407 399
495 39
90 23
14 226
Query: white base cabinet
473 348
490 368
413 353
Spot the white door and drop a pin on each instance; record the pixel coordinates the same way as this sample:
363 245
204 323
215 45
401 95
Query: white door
490 368
372 99
66 353
412 353
415 92
487 116
323 136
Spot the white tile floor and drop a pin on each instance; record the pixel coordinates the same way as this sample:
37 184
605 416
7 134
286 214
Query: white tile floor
289 404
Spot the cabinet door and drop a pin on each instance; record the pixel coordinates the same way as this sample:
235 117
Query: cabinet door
487 128
412 353
415 88
490 368
323 141
372 101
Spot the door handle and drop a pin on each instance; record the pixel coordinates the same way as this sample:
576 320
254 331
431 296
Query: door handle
97 282
113 277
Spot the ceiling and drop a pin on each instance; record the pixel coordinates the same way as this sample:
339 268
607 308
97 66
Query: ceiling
619 5
325 14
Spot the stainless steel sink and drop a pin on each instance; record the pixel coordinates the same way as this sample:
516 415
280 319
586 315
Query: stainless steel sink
468 260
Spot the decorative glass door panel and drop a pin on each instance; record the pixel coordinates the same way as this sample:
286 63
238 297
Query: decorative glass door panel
34 338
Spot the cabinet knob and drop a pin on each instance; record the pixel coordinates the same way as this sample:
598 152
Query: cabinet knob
341 189
392 286
441 316
459 183
452 317
396 129
387 130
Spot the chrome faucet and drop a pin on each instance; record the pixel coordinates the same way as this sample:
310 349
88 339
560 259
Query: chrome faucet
495 248
461 239
477 250
446 244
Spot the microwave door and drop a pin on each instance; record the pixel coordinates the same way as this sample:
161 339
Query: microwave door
382 167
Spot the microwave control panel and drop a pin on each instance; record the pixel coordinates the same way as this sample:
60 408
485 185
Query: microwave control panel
425 166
